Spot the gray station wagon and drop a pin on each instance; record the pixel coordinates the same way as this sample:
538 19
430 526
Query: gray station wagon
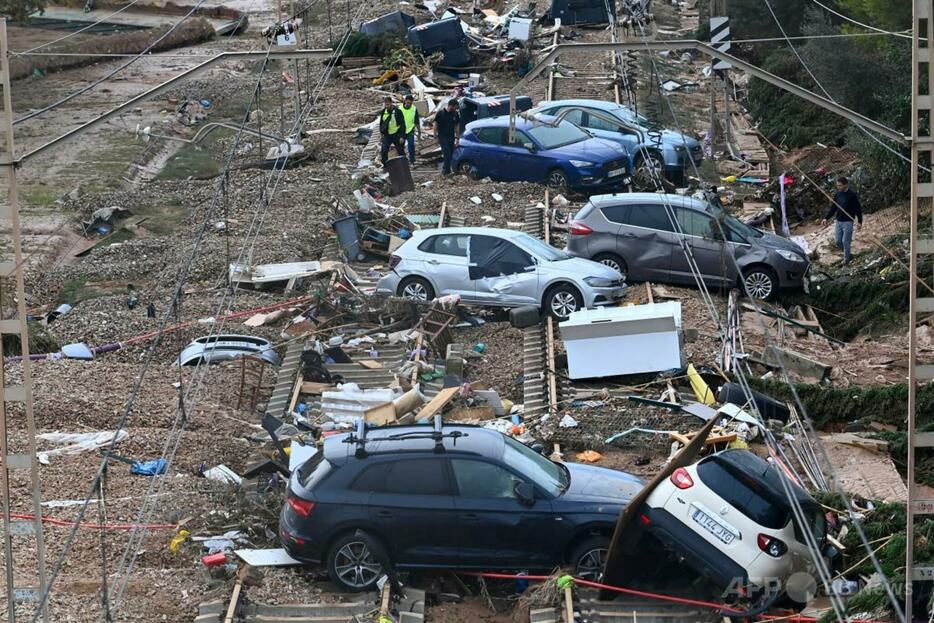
635 234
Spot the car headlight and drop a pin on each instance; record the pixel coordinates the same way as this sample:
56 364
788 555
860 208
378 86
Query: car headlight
581 163
791 256
680 149
600 282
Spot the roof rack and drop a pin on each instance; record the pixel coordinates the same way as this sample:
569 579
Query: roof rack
359 436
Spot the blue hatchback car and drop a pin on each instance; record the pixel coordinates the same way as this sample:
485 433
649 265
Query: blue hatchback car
545 150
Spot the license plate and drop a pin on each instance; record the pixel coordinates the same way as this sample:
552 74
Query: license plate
712 526
616 172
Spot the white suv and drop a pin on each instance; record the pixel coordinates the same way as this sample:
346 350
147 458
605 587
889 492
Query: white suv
729 517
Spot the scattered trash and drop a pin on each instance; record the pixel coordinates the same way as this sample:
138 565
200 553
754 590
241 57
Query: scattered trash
588 456
154 467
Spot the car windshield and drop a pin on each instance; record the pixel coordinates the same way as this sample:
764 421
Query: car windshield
550 476
631 116
541 250
553 136
740 227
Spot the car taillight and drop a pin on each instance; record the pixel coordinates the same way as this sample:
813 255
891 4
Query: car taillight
300 506
578 229
644 519
394 261
681 479
772 546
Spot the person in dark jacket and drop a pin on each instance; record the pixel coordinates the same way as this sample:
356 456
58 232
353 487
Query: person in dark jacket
845 209
391 130
447 129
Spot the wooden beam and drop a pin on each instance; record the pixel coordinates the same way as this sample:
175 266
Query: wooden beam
437 403
234 599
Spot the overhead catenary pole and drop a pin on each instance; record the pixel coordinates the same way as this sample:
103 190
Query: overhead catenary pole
17 454
922 194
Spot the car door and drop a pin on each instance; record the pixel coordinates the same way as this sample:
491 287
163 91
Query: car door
521 160
445 264
603 125
647 242
502 272
490 157
412 506
712 254
496 530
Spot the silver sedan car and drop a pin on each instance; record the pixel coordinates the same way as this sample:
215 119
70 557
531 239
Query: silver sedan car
499 267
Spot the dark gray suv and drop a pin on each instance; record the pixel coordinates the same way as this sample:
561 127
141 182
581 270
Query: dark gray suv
635 234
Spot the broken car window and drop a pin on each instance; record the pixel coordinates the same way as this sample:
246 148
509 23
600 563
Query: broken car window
476 479
494 257
650 217
449 244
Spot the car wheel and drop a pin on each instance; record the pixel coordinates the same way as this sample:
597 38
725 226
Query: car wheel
416 288
613 261
557 181
648 170
353 562
562 300
760 283
468 169
588 558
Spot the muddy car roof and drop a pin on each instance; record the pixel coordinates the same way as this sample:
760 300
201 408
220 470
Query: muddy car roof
659 198
474 440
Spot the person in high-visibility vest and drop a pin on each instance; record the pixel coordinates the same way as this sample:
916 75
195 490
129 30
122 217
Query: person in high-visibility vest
412 125
391 130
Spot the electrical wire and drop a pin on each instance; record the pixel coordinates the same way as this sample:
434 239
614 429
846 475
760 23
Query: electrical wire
804 65
148 359
274 179
804 525
76 32
861 24
110 75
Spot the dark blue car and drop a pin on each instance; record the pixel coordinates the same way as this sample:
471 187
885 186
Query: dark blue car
451 497
546 151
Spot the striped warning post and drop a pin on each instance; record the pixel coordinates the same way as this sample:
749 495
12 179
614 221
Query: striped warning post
720 40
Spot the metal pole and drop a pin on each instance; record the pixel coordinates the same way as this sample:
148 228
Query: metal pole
26 457
922 149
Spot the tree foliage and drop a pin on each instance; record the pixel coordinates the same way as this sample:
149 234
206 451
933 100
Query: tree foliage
20 10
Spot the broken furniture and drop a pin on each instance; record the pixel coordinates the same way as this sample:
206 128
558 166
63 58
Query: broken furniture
289 272
623 340
435 326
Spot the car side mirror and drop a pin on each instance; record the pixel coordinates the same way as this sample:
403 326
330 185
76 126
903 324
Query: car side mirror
525 492
530 146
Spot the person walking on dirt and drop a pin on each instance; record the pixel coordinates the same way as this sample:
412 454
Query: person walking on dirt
412 125
845 209
391 130
447 129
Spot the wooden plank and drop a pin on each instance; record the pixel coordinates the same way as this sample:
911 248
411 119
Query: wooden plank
418 356
444 209
568 605
232 608
369 364
384 600
437 403
648 291
296 390
311 387
381 415
550 363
